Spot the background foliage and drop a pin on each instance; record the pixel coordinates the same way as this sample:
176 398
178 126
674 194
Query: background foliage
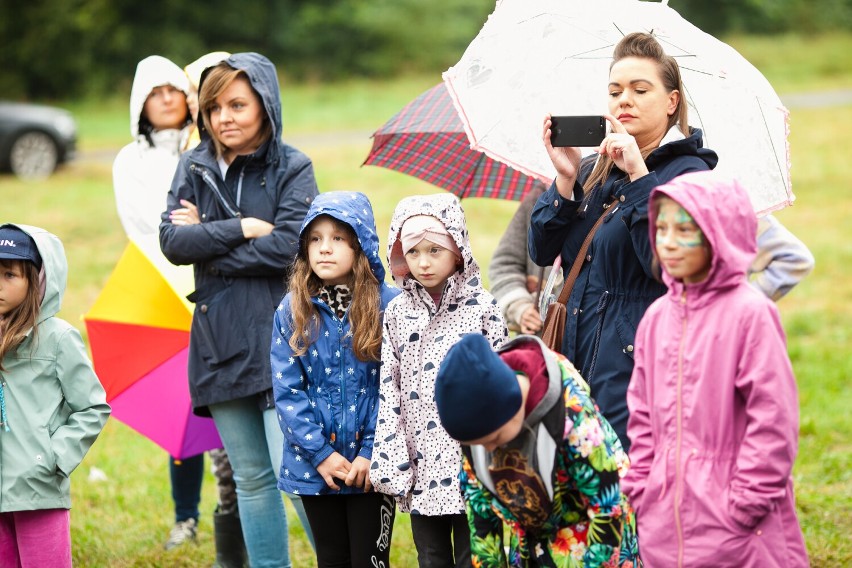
69 48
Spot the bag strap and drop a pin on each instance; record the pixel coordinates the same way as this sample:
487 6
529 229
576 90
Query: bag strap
578 262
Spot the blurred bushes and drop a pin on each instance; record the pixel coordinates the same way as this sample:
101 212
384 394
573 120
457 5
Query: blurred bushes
70 48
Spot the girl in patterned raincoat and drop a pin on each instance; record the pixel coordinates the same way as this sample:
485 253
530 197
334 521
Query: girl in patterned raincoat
443 299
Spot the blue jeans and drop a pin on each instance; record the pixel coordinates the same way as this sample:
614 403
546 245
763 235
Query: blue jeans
252 438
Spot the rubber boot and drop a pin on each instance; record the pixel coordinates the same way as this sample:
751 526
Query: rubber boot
228 535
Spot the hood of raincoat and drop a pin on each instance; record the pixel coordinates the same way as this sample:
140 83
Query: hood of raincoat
264 80
54 268
446 208
354 209
722 209
197 67
153 71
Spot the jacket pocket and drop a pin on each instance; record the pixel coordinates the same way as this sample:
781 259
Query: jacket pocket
626 334
217 327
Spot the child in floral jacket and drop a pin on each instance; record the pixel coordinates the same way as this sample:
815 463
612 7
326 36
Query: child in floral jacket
538 456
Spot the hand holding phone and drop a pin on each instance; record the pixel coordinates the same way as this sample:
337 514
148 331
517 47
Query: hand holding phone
577 131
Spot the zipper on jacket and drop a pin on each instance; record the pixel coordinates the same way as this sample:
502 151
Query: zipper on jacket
344 410
4 420
240 184
205 175
679 428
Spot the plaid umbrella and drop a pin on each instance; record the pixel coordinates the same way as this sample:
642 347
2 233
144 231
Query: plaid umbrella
427 140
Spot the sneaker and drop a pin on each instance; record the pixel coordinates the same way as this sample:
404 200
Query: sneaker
181 532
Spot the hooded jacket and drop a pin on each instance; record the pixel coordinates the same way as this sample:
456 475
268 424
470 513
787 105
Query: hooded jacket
238 281
327 399
415 459
616 283
568 459
713 405
55 407
143 170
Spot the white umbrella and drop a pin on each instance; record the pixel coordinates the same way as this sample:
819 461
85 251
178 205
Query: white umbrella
534 57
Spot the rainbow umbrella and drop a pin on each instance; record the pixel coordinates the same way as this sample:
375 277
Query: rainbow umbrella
138 331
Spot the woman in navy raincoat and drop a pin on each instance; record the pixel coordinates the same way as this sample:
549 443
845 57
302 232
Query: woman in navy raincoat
234 211
650 144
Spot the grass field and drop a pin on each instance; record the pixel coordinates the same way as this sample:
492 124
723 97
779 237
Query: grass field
124 520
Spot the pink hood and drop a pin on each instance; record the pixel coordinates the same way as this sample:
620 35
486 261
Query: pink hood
730 229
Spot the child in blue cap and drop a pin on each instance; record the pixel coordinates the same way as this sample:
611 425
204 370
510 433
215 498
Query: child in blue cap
52 406
538 456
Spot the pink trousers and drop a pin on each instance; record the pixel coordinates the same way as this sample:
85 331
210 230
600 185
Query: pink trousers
35 539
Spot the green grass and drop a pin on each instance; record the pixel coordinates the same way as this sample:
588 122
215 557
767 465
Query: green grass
125 520
796 63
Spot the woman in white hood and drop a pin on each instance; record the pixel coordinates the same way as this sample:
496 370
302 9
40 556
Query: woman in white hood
160 124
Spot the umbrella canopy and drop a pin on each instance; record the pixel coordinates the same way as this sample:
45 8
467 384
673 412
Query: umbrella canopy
427 140
138 331
534 57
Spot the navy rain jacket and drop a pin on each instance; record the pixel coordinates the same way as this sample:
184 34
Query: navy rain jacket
616 283
238 281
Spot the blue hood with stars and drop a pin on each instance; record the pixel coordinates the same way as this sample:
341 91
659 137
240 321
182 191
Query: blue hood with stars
354 209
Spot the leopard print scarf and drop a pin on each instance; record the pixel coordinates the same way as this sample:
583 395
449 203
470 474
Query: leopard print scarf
337 297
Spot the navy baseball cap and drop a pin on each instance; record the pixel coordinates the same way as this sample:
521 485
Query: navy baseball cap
15 244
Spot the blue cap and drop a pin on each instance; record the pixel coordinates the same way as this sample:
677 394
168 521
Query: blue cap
15 244
475 391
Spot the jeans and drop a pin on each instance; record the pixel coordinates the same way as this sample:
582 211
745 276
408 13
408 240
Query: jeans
276 454
186 476
254 440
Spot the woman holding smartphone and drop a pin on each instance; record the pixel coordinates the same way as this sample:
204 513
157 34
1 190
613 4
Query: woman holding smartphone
234 211
649 144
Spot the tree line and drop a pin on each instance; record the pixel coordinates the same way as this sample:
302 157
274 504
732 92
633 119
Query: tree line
70 48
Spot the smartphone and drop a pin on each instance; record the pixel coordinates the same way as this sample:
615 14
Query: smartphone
577 131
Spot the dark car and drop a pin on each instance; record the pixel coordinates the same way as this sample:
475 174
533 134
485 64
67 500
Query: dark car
34 139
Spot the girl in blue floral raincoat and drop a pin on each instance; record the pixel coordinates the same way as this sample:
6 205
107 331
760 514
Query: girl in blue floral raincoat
326 345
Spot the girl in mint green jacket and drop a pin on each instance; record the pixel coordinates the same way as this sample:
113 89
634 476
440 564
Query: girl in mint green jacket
52 406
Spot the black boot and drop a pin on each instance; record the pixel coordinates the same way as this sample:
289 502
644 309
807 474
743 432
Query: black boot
228 534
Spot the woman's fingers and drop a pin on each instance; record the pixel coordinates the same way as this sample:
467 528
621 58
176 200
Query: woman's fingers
615 124
546 133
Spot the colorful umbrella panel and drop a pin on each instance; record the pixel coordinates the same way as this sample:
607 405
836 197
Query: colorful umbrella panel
138 331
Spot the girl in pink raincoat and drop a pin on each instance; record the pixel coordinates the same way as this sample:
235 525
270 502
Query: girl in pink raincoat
713 405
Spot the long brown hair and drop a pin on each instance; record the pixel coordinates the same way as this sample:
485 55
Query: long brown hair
215 82
17 323
364 309
644 46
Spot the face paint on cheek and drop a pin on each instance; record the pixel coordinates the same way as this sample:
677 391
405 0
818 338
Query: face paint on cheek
693 238
662 223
